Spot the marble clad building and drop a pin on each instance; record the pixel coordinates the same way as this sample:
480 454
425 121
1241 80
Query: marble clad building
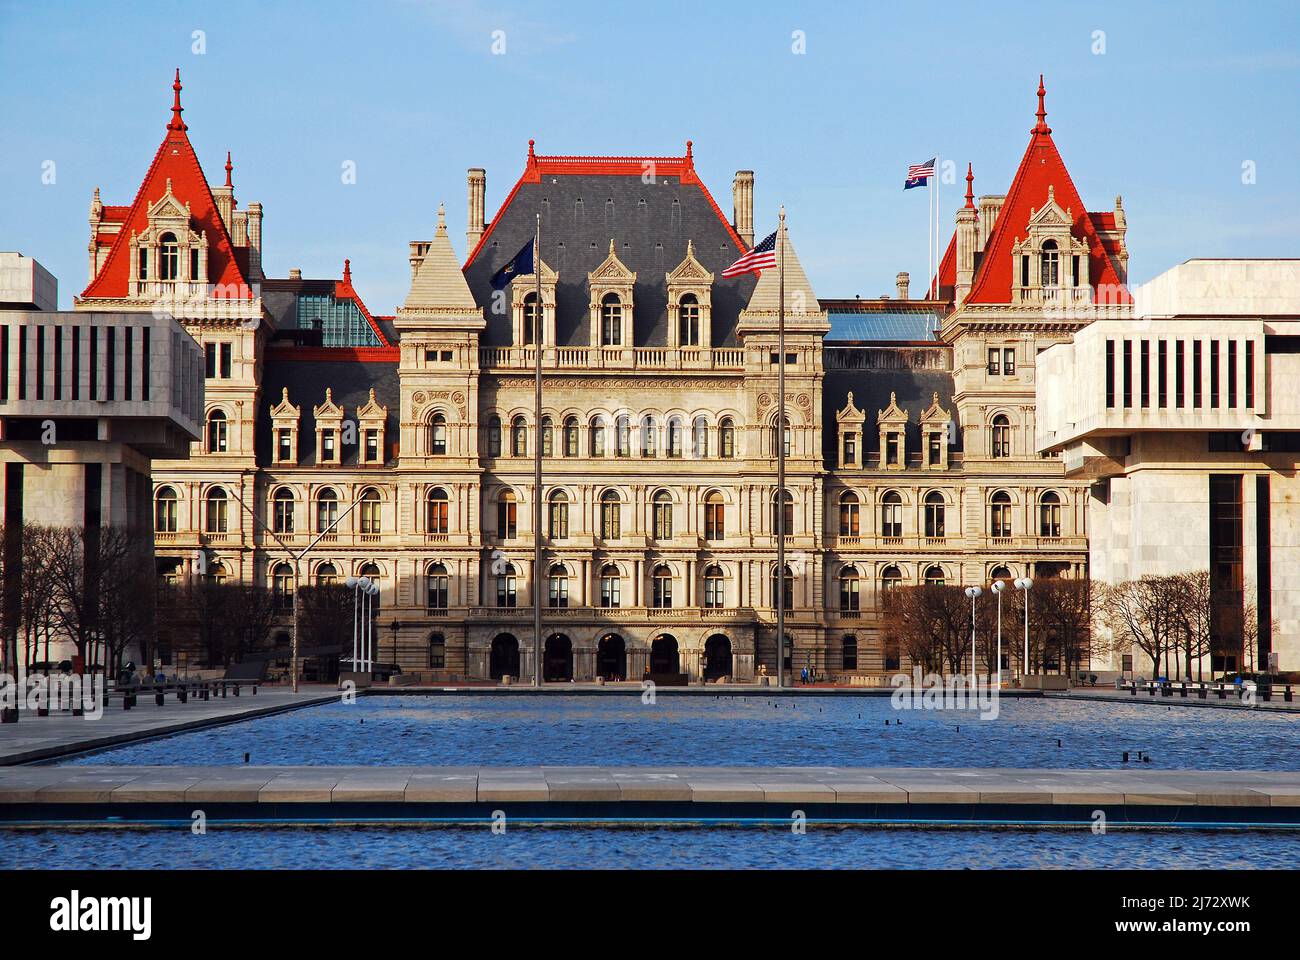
912 427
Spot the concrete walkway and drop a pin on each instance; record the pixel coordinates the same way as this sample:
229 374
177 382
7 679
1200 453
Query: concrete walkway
1111 695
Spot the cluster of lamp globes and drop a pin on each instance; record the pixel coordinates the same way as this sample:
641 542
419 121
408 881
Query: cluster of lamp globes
1020 583
366 585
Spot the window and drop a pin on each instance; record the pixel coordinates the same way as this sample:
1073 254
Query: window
1214 373
995 361
143 272
217 360
610 515
1179 358
675 438
727 439
1049 514
891 514
1050 271
558 587
611 321
934 514
783 592
783 520
714 527
507 516
194 263
168 257
688 321
1024 271
850 449
663 515
282 510
1110 373
218 511
623 437
326 575
327 511
164 510
1000 514
218 435
850 599
1128 373
700 438
438 435
370 511
507 587
785 439
1232 373
598 437
891 449
1162 373
890 578
849 653
934 449
663 588
1008 361
284 445
282 586
558 519
217 573
571 437
548 438
1196 373
714 588
934 577
436 509
849 526
372 446
436 582
648 437
327 445
1144 372
494 437
519 437
1000 446
437 652
610 586
1250 374
530 319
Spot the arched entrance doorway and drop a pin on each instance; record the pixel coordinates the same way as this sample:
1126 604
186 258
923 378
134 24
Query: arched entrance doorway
611 657
557 659
504 660
663 654
717 657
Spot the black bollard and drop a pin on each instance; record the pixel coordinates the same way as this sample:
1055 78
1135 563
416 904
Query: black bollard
1125 756
246 758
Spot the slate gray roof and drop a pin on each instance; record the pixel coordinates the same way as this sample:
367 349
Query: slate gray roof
650 224
915 388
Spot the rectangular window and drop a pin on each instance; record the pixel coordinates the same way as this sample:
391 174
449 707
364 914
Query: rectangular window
1179 364
225 361
372 446
1263 561
1110 373
995 362
1226 569
58 363
94 363
210 360
143 273
194 263
40 363
1024 271
1214 374
1128 373
327 444
1196 373
1074 270
1250 374
935 449
110 365
126 363
285 445
4 362
144 363
850 450
891 449
22 363
1009 362
1145 359
1162 373
1232 373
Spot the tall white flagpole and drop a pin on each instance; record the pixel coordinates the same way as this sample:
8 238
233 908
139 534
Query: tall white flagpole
938 230
929 233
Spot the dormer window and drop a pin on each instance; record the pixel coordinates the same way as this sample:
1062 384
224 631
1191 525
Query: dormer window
169 258
1050 269
328 449
530 319
611 321
611 287
143 271
688 319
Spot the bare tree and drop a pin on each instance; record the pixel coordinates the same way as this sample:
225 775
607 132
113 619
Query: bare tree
126 593
325 617
1062 612
37 589
252 614
1146 614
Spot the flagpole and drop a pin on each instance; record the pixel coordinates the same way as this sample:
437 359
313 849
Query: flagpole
938 232
538 326
929 233
780 456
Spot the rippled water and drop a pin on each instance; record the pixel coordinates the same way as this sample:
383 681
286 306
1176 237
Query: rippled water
702 730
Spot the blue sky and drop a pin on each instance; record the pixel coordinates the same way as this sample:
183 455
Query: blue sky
1182 97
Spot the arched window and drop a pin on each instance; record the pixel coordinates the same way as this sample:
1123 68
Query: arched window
1000 514
1000 573
783 519
519 437
164 510
371 572
891 514
326 575
714 588
787 595
1049 515
218 512
435 576
369 510
700 438
548 438
436 511
714 525
934 514
559 515
850 598
663 515
611 510
688 321
217 432
727 439
169 263
437 651
1050 271
327 510
610 586
784 439
934 577
217 573
530 319
623 436
663 587
675 439
507 515
571 437
890 578
494 437
282 511
648 437
611 321
507 586
598 437
557 583
1001 436
849 525
282 586
438 435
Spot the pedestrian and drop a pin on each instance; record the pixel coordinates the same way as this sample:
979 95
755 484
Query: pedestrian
803 676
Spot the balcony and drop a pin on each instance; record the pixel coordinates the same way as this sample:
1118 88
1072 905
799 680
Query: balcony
614 358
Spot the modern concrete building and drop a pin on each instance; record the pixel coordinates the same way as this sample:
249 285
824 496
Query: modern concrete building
1184 420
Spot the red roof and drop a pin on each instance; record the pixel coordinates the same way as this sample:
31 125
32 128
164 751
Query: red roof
343 290
539 166
175 161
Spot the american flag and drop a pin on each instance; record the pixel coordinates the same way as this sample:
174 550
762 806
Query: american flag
918 174
762 256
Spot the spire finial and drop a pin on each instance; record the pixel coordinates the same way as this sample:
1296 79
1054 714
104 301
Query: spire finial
1041 126
970 183
531 156
176 122
229 167
611 246
347 272
442 219
689 147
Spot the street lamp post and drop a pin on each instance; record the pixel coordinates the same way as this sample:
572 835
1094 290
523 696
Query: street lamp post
1026 584
973 592
998 587
354 584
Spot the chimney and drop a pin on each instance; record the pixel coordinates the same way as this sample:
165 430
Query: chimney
902 281
990 206
295 273
742 195
967 246
254 214
475 224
